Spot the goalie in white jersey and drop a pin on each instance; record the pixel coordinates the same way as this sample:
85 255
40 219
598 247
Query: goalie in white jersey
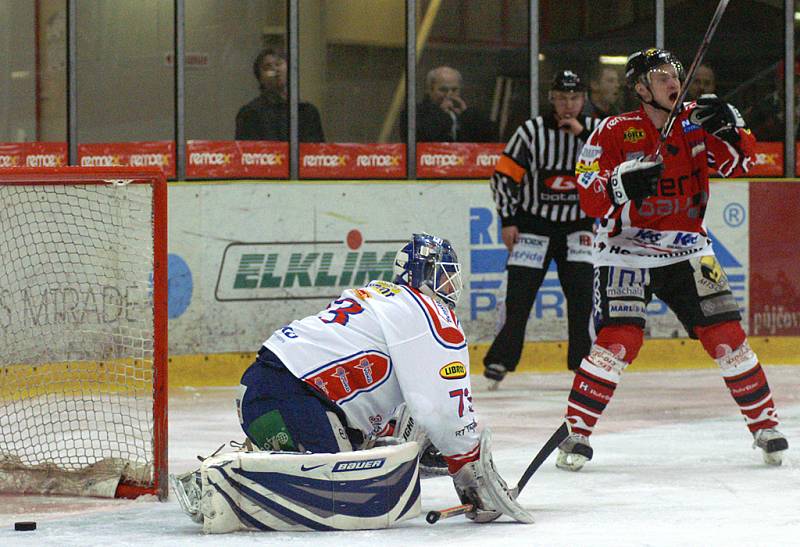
385 361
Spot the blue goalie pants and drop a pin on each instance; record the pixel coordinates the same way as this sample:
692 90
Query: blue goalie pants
278 411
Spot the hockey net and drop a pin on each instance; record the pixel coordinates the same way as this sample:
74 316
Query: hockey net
83 296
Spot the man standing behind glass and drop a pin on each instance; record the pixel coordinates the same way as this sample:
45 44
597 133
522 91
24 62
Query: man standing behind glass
604 92
443 116
266 118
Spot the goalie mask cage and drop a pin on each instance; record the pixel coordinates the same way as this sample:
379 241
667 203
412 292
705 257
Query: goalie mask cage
83 332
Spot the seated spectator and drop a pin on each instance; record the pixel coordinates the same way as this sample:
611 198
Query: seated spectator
604 92
266 118
704 82
443 115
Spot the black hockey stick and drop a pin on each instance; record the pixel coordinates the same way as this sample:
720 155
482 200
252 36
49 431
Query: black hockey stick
698 59
552 443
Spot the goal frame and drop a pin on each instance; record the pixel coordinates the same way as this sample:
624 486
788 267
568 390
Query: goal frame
130 175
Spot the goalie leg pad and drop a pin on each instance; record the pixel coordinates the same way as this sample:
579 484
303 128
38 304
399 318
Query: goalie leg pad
368 489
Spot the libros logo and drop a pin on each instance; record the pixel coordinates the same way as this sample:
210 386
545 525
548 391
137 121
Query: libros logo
297 270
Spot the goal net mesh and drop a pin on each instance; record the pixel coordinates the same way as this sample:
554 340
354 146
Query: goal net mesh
76 337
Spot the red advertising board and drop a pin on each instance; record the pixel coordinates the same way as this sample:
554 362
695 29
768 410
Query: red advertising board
159 154
237 159
769 160
352 161
774 283
460 160
33 154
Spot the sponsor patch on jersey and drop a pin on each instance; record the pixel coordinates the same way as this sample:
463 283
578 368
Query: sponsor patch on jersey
688 126
346 378
362 294
453 371
585 180
590 152
633 135
560 183
582 167
384 287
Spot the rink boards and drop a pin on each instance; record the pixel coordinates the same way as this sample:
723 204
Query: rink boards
247 257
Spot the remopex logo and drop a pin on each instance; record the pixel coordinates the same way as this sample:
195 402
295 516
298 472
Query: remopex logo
209 158
104 160
441 160
324 160
255 158
377 160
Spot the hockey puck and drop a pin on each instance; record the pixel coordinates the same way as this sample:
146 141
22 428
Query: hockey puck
25 526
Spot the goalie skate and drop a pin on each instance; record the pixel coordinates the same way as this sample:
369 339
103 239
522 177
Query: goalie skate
574 452
188 491
773 444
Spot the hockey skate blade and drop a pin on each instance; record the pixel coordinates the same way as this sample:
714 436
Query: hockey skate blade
570 462
493 385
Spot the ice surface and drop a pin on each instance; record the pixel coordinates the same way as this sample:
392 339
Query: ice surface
673 465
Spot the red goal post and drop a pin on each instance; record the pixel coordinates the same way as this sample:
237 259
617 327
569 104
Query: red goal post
83 331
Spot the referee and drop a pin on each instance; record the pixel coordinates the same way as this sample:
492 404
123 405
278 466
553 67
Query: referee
536 197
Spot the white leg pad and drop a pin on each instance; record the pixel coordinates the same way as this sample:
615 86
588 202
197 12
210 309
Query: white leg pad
368 489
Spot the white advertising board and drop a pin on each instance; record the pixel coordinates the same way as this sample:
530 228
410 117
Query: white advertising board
247 258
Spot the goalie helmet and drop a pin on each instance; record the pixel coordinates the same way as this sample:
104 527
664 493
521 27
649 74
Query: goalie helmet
642 62
430 264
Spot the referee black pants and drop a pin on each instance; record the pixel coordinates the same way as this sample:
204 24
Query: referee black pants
576 280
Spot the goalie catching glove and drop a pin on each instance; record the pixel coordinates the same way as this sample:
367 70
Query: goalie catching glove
478 483
634 180
717 117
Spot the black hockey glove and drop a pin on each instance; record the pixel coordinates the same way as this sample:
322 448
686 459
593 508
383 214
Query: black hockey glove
634 180
717 117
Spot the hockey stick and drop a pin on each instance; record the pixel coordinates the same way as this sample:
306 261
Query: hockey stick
698 59
552 443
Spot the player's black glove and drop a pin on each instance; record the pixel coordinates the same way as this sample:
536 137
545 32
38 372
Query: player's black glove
717 117
634 180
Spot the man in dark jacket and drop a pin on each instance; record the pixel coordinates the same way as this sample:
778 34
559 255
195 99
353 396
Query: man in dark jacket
443 116
266 118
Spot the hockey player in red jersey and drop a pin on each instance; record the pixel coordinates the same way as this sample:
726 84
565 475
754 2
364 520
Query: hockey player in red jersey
652 241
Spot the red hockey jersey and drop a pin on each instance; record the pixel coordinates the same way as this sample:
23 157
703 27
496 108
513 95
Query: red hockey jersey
668 227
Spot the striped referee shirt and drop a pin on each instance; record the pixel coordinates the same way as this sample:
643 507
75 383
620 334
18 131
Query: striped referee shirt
535 176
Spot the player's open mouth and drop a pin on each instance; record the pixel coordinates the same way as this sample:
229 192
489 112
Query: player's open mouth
673 96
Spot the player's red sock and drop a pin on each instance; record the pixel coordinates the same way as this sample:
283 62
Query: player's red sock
751 392
588 399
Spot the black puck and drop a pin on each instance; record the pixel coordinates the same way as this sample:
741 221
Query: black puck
25 526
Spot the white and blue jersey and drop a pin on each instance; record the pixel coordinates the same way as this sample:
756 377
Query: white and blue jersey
376 347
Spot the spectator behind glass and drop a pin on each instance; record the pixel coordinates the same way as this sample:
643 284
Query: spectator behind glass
604 92
767 116
704 82
266 118
443 116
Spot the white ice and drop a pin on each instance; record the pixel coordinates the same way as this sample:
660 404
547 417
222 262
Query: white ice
673 465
